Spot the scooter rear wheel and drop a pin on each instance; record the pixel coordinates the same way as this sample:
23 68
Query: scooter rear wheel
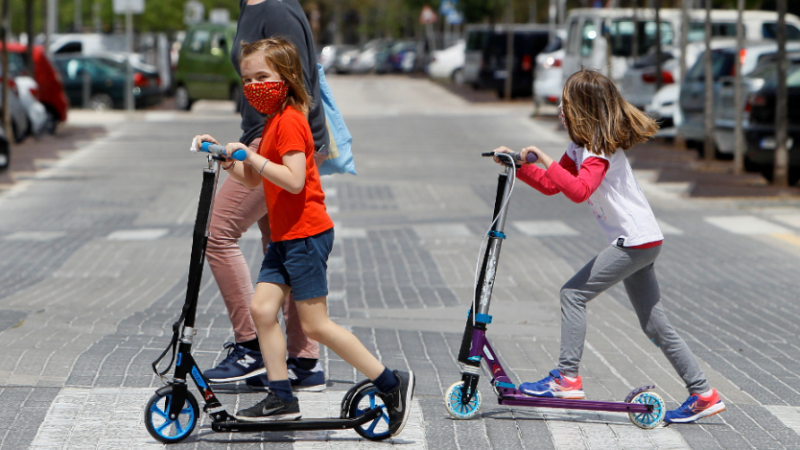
362 398
452 401
158 423
644 420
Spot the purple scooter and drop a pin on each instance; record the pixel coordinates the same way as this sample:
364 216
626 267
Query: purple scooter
645 408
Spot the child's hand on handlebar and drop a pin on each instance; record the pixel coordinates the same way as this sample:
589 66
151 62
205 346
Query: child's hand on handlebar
233 146
200 138
543 157
501 150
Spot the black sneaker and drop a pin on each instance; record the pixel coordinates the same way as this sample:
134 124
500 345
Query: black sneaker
398 402
269 409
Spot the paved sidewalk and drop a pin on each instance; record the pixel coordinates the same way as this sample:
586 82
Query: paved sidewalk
95 250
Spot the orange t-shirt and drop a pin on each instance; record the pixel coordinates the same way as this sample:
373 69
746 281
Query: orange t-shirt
293 216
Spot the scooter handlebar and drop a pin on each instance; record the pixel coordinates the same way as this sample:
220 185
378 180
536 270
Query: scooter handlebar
531 158
210 147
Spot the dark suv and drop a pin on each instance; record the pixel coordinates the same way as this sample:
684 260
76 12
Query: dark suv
529 41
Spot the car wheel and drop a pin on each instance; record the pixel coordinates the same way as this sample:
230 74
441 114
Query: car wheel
5 155
458 76
19 135
767 171
101 102
182 100
51 123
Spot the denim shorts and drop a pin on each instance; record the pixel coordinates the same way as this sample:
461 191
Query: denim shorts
301 264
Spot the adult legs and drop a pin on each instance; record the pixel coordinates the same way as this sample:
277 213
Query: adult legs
236 209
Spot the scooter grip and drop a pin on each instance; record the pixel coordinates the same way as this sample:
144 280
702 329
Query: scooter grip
210 147
531 158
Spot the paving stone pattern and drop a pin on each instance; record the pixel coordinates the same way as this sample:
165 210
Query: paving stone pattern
83 316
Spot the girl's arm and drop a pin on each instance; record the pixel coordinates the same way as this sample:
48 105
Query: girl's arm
290 176
564 176
536 177
578 186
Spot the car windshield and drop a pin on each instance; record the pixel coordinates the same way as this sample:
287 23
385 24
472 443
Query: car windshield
721 66
476 40
792 77
621 32
553 45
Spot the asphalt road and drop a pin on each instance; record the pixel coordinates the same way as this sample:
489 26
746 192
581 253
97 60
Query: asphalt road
94 250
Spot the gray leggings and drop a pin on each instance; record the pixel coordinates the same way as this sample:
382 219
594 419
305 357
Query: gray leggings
635 268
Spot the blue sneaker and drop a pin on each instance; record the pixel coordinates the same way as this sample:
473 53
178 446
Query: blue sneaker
302 380
554 386
306 380
240 364
696 407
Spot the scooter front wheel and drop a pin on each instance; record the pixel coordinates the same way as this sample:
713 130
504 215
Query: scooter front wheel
457 409
361 398
158 423
651 420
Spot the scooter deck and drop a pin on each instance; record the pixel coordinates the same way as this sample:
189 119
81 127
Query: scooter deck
566 403
301 424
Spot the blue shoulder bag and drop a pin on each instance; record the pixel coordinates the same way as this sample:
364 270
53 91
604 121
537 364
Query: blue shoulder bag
340 156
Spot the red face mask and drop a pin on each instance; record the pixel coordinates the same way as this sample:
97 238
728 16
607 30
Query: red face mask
266 97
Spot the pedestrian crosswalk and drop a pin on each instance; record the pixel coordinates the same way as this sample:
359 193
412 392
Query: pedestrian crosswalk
783 226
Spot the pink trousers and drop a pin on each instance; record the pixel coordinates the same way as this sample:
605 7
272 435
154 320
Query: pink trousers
236 209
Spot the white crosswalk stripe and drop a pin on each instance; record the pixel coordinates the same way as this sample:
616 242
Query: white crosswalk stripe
442 230
748 225
138 235
537 228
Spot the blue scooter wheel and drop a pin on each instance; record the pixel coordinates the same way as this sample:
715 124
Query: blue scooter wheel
362 398
644 420
461 411
158 423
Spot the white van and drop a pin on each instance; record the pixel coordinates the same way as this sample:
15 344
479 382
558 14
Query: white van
588 27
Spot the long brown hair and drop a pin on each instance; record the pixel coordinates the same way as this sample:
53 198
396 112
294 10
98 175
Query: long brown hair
282 56
599 119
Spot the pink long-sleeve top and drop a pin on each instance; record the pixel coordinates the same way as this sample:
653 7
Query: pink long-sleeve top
565 177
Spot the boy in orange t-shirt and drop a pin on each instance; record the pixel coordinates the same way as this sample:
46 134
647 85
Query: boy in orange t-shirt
301 236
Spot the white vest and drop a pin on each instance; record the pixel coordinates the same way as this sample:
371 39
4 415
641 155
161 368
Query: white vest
618 204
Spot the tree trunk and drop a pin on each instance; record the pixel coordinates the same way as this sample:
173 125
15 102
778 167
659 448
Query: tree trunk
635 43
684 35
708 146
509 50
659 78
4 57
781 173
738 130
29 32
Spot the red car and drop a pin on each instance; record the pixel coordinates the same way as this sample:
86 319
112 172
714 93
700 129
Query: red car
51 88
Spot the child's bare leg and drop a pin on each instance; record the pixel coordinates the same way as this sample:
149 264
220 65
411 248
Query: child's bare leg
319 327
264 309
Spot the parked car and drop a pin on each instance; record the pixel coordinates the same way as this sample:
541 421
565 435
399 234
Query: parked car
529 41
106 82
28 91
344 59
692 90
204 66
448 63
477 36
725 106
372 57
87 43
402 56
548 81
19 115
5 155
592 30
760 127
51 88
328 55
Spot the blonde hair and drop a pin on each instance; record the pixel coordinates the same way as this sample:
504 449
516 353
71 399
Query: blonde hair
599 119
282 56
